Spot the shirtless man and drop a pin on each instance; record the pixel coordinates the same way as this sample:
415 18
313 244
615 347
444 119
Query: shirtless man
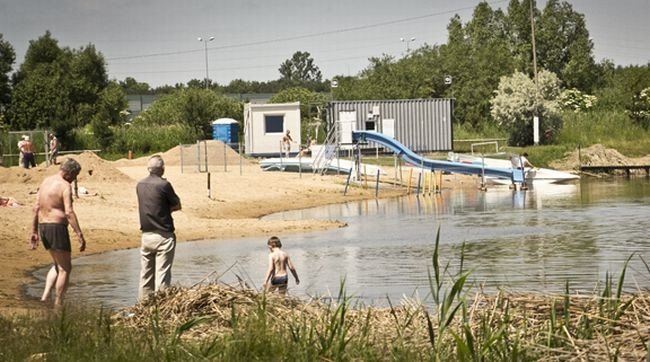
286 143
20 149
54 149
27 152
52 213
276 276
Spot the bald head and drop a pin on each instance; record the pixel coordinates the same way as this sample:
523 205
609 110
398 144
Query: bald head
156 165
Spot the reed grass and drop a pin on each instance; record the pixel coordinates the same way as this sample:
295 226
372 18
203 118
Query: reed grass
233 323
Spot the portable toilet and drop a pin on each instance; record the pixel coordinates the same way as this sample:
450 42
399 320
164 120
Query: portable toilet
225 130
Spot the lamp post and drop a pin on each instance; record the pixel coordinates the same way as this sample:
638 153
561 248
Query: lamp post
205 47
408 42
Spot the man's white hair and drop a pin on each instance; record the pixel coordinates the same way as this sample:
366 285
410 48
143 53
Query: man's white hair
155 163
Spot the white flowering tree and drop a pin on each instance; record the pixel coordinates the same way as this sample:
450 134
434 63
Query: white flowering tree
517 100
639 111
576 101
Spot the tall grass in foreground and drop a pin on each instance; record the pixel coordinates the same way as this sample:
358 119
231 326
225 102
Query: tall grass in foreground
217 322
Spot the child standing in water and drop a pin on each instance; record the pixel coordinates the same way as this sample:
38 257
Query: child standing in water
276 278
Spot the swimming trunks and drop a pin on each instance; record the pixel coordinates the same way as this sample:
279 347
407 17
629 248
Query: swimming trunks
55 236
281 280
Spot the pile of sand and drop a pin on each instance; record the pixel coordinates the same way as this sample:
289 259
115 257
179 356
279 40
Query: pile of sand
93 168
216 152
595 155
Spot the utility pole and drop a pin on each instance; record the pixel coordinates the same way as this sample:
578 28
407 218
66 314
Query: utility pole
535 104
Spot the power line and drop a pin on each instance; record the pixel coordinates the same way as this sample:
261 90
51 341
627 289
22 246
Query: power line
305 36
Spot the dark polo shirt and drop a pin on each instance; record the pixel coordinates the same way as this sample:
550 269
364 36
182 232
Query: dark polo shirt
156 197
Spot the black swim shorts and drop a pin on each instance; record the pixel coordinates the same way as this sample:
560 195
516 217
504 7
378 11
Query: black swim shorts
55 236
281 280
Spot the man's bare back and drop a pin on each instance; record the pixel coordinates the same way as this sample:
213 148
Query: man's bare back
26 147
53 195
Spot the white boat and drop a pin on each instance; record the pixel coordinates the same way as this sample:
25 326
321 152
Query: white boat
533 175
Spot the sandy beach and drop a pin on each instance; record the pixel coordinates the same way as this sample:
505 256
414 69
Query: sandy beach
240 194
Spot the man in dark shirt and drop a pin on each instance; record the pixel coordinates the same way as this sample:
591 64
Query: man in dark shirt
156 202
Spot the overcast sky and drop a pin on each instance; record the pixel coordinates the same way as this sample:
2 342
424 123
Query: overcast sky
155 41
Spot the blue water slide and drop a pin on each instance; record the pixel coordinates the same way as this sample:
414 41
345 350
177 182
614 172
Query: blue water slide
448 166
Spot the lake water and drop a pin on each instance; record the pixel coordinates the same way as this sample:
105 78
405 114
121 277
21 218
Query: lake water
532 241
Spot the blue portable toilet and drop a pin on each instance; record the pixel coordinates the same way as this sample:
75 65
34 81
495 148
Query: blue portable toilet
225 130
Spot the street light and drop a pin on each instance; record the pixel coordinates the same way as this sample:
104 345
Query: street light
408 42
205 44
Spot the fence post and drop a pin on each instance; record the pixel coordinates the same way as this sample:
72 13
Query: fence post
180 149
347 183
209 190
377 185
225 158
240 158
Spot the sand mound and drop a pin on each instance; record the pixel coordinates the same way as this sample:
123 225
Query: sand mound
595 155
216 152
93 168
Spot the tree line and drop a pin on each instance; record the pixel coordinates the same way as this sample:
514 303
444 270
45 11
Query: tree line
487 65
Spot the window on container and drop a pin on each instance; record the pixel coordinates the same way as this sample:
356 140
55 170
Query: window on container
273 123
370 125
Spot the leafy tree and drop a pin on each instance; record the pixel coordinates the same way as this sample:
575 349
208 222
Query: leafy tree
417 75
240 86
196 83
621 85
195 108
576 101
57 88
377 79
349 88
564 47
476 55
44 50
640 108
111 112
311 105
42 100
88 73
132 86
518 99
112 104
519 34
7 58
166 89
300 69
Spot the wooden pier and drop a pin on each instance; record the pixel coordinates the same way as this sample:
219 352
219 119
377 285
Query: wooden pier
608 169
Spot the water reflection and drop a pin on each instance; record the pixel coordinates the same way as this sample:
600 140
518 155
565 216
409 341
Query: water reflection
520 241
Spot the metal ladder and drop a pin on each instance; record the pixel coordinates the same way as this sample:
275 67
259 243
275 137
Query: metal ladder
323 158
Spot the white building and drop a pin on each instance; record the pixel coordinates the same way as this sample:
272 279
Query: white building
265 124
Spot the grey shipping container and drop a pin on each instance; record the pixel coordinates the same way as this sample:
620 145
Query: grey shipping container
422 125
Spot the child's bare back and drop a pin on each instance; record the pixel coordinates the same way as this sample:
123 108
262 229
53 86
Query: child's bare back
279 261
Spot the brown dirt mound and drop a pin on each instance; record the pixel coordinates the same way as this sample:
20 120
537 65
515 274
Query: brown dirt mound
94 168
216 154
595 155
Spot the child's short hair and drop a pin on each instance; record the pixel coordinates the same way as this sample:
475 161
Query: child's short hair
274 242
